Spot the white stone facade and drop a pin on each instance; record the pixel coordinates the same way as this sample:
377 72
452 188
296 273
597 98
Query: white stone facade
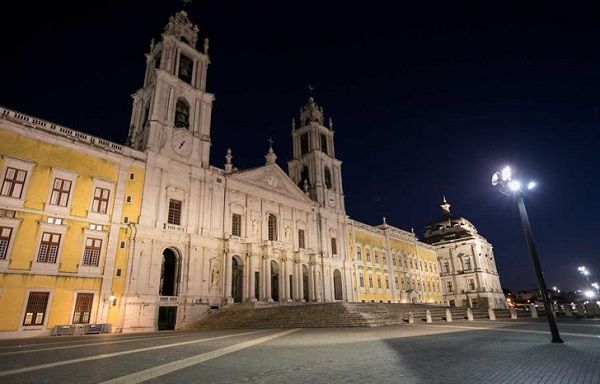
210 236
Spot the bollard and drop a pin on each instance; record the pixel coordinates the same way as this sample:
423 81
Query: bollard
491 314
568 311
534 314
411 319
448 315
513 313
469 314
428 316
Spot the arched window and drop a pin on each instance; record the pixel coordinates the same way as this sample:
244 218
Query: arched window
186 66
272 227
333 246
303 176
328 178
182 114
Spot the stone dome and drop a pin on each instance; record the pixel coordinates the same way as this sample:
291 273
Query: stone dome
448 227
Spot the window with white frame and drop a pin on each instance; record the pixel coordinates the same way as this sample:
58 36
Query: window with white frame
91 253
100 200
35 311
61 189
48 252
14 182
5 235
83 308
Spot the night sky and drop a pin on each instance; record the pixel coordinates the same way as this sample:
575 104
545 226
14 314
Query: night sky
425 101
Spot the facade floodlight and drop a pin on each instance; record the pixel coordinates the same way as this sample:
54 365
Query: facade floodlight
531 185
589 294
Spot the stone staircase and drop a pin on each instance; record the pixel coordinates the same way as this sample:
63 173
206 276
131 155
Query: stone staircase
323 315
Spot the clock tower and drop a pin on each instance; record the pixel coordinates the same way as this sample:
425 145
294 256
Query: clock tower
314 167
172 111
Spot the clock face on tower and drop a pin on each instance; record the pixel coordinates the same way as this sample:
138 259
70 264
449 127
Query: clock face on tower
182 142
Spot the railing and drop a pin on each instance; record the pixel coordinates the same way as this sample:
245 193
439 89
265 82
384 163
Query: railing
59 129
168 300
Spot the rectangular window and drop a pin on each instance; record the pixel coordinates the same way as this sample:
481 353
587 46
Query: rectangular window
449 287
324 143
49 248
236 224
387 283
100 203
5 233
304 144
362 280
14 180
378 281
36 308
333 246
174 212
368 256
370 281
446 267
396 281
471 284
60 192
91 254
358 254
383 258
301 243
272 227
83 308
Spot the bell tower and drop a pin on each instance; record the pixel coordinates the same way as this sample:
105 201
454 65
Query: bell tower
172 111
314 167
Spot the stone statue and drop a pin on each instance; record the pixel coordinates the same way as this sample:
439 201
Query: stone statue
215 278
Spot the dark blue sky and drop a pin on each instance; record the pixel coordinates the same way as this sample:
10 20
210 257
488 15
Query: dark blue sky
426 101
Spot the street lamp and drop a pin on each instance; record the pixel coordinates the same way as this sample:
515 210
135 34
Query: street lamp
507 185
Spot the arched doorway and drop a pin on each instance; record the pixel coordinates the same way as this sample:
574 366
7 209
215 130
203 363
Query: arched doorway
169 281
337 285
274 281
305 282
237 280
169 273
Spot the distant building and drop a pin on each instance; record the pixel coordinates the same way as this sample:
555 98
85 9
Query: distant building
467 266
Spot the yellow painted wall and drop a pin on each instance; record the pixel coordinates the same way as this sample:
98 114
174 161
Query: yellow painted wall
14 297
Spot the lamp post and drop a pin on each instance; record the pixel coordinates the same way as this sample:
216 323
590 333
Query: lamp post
503 179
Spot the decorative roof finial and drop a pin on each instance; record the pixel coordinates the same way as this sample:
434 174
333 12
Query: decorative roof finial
305 187
384 220
270 156
331 123
206 45
293 124
228 163
311 91
445 206
152 42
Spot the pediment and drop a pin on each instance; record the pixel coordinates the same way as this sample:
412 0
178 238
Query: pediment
274 179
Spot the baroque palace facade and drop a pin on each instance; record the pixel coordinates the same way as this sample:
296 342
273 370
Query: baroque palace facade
149 235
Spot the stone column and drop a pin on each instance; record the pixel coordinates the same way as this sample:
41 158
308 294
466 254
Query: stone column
288 271
311 282
251 279
267 279
227 279
300 280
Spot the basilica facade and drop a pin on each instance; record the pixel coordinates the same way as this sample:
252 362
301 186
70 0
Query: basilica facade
151 235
